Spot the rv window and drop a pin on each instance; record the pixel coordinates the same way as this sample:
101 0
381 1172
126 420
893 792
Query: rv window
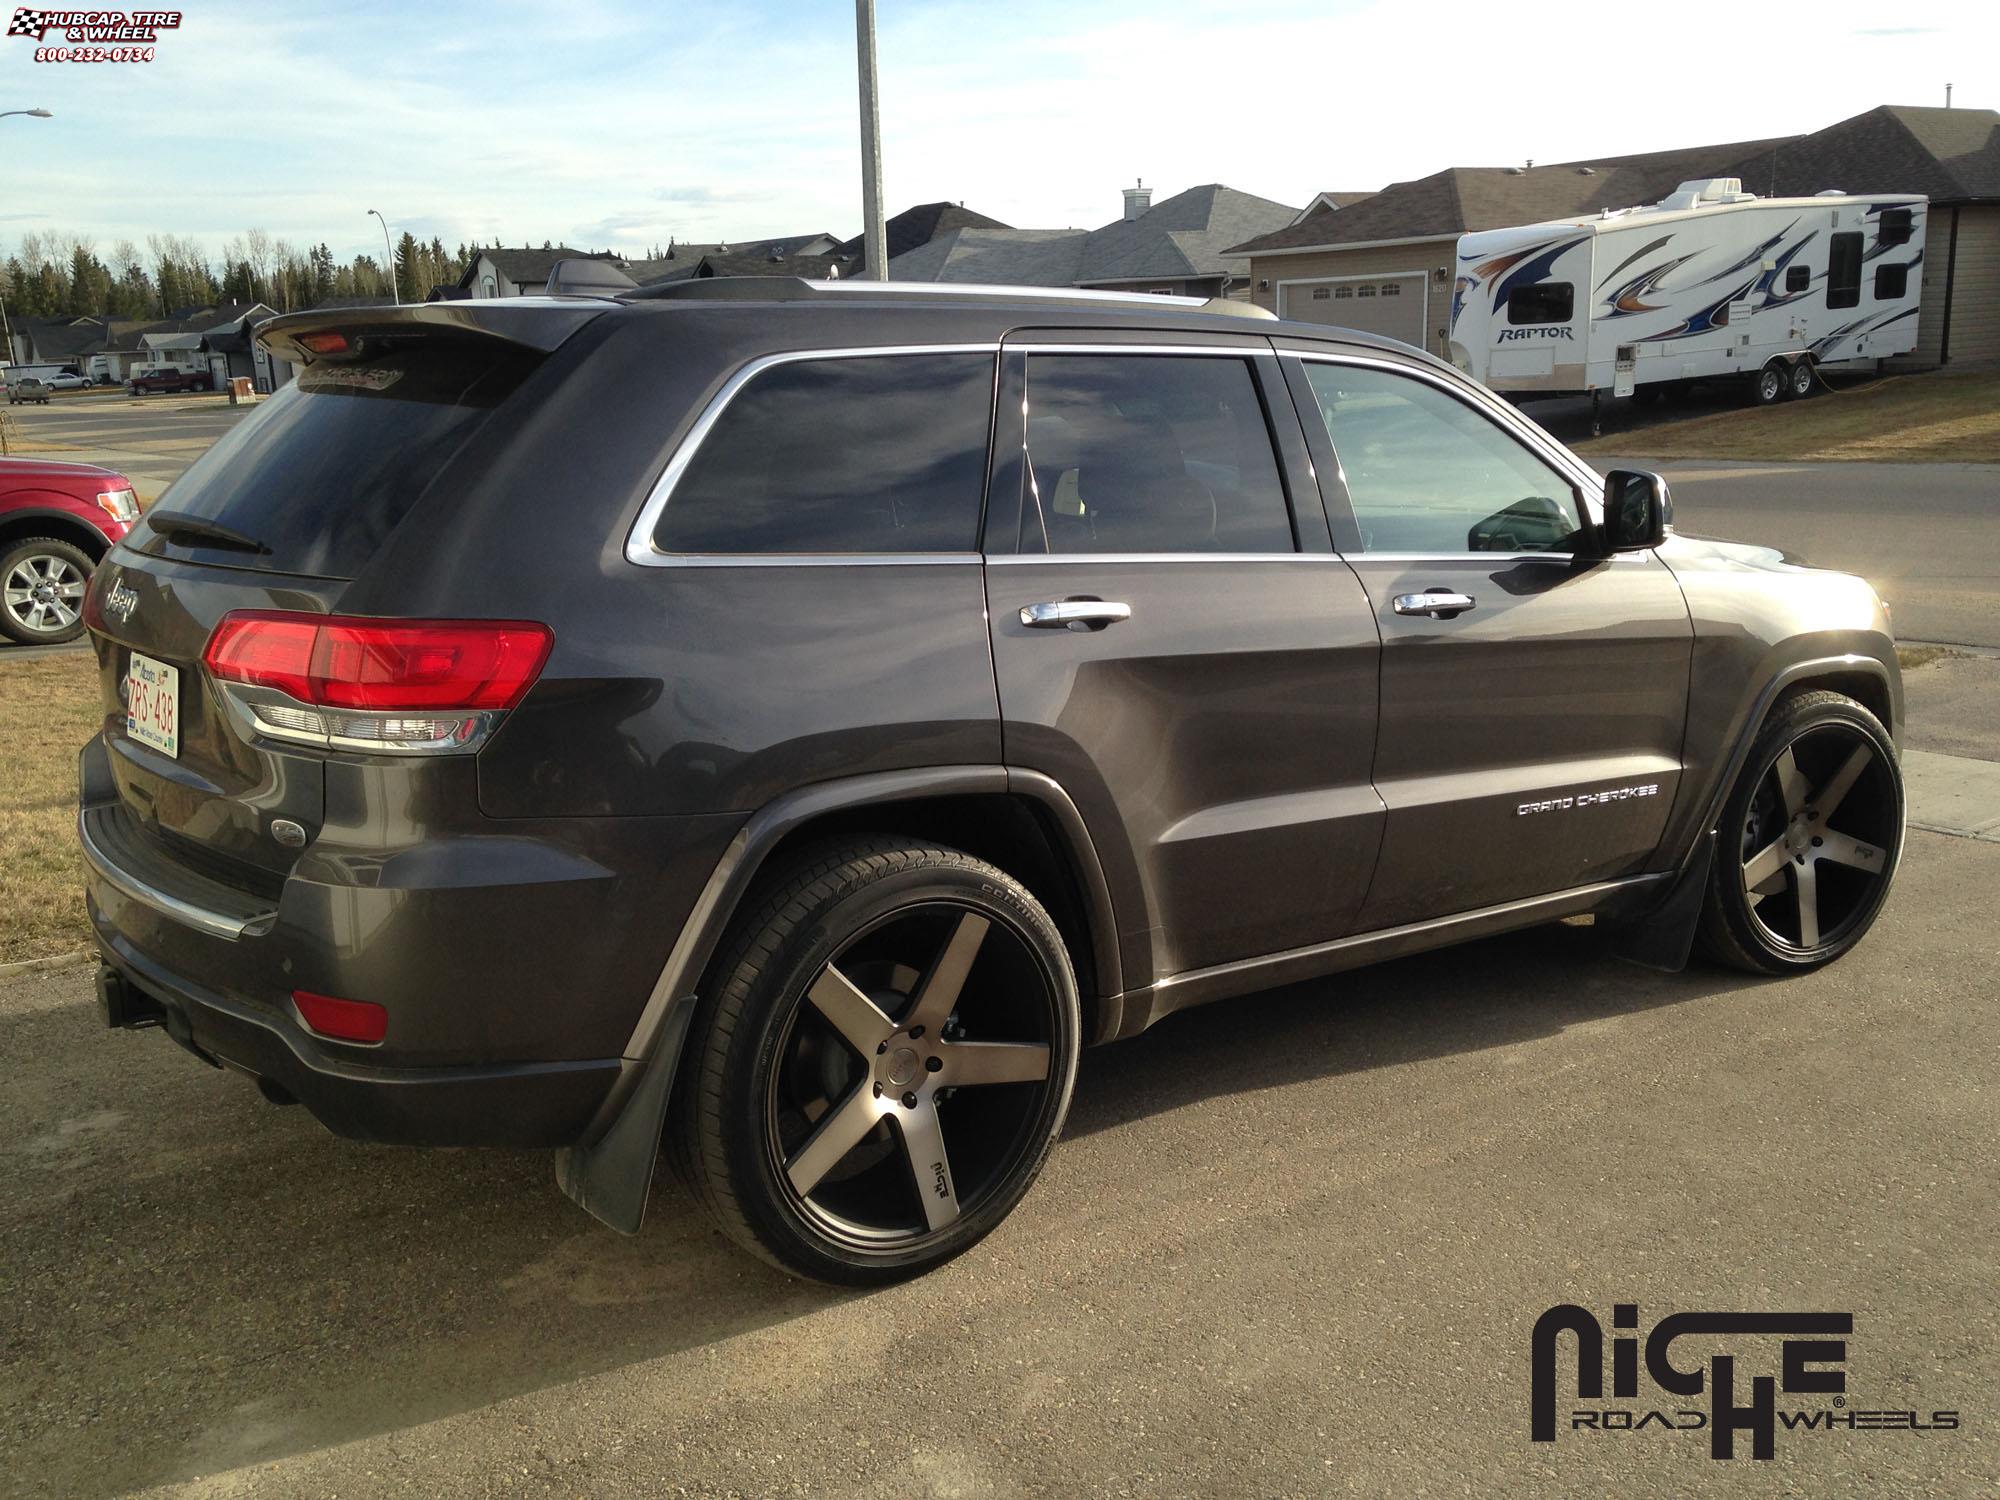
1544 302
1896 226
1843 271
1891 282
1797 278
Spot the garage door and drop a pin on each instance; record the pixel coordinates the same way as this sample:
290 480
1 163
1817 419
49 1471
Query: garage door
1391 305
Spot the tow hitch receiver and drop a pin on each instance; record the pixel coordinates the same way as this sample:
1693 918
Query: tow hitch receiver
125 1008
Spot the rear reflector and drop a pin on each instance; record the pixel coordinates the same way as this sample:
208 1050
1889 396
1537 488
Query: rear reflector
342 1020
335 661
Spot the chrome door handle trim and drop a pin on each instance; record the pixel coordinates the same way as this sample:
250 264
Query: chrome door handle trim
1438 604
1059 614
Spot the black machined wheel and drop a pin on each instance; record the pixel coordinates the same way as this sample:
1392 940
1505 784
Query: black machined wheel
884 1065
1810 838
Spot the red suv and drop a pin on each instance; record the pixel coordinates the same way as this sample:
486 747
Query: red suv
56 521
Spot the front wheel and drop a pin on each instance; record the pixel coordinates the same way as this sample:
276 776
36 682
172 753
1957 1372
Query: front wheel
881 1063
1809 839
1768 385
42 582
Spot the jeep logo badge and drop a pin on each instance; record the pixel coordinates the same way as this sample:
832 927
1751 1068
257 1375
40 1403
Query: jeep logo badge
120 602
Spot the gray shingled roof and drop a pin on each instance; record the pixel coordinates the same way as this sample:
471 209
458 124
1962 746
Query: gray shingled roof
529 267
923 223
1460 199
1187 235
1949 155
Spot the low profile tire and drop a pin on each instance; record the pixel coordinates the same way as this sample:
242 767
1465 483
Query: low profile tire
1768 385
880 1064
1809 839
41 591
1800 381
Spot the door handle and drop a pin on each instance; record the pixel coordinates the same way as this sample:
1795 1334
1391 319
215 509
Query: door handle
1074 614
1439 604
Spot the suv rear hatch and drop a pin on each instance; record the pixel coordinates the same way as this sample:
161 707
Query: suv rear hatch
279 518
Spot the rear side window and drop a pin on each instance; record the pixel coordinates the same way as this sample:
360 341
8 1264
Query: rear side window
1544 302
1843 271
861 454
1153 453
1891 282
325 469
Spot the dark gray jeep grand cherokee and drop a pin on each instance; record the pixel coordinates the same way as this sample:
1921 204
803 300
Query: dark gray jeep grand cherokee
789 722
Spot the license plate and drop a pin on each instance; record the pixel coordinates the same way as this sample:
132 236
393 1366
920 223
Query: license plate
153 704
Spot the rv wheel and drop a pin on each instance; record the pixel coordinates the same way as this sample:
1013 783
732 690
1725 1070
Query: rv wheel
1768 385
1801 379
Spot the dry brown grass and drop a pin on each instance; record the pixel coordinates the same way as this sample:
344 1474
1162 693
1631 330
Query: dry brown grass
48 708
1939 418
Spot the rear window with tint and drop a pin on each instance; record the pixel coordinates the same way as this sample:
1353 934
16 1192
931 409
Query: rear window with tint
327 467
861 454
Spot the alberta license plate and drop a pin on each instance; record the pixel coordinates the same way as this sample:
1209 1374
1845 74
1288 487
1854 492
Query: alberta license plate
153 704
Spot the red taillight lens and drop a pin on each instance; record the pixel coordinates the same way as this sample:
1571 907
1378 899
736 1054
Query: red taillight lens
325 343
333 661
343 1020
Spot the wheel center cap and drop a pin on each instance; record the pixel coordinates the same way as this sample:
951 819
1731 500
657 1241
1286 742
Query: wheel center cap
903 1066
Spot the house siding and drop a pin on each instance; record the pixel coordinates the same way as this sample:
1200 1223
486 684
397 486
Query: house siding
1975 312
1428 256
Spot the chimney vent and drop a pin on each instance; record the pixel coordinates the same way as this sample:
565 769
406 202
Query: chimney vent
1138 198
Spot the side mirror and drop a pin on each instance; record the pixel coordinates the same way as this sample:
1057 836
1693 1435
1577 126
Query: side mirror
1638 511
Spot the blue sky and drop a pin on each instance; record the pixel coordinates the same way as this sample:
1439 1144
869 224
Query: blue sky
613 124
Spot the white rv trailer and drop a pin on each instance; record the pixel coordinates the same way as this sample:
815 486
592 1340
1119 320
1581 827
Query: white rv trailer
1712 282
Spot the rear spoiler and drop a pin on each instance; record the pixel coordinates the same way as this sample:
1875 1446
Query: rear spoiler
537 323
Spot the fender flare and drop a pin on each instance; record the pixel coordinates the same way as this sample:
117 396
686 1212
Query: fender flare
608 1172
73 527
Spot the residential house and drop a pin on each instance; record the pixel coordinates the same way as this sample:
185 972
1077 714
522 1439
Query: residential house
501 272
1179 246
1384 263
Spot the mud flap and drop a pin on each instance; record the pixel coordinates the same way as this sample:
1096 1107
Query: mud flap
610 1176
1664 937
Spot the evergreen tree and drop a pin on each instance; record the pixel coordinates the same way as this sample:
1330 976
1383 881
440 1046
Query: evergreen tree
23 300
409 268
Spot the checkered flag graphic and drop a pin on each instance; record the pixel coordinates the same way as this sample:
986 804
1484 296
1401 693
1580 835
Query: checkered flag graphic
29 23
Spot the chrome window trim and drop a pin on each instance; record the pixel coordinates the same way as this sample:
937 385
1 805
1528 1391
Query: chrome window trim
1224 351
639 546
1589 483
1022 559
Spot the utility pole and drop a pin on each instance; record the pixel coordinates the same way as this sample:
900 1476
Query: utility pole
874 233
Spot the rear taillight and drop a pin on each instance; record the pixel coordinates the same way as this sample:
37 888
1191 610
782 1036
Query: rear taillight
405 686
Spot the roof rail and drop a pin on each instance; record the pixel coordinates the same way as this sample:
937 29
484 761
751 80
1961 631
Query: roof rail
798 289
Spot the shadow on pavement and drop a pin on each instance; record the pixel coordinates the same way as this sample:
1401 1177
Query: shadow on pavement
200 1281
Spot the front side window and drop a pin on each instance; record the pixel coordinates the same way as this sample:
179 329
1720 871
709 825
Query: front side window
1897 226
1152 453
1427 473
867 454
1543 302
1797 279
1843 271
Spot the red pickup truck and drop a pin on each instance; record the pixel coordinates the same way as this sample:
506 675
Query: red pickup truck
169 379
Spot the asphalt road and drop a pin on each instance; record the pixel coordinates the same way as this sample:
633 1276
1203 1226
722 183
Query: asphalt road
1926 535
1293 1245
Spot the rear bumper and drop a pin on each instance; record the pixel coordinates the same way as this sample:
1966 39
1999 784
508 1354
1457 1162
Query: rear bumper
541 1104
513 957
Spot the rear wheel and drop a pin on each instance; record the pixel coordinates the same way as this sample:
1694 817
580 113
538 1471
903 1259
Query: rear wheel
41 591
1800 379
1809 839
882 1065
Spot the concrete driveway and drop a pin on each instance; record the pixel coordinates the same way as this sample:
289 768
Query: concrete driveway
1293 1245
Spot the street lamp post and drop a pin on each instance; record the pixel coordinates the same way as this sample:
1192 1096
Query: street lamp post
39 114
874 234
395 291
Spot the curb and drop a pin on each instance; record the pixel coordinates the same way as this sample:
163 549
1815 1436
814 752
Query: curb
30 965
